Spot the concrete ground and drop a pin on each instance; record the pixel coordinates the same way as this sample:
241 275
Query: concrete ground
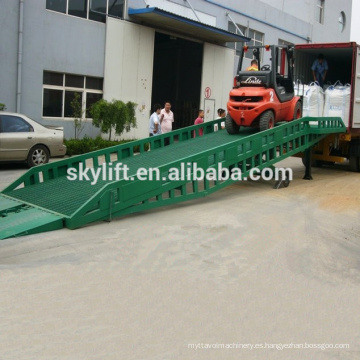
246 265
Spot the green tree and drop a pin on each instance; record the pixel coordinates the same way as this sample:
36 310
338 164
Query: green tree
113 115
2 107
77 113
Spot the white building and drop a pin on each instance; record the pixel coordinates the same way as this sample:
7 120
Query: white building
145 51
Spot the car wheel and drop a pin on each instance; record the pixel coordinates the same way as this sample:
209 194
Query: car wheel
298 111
231 126
267 120
38 155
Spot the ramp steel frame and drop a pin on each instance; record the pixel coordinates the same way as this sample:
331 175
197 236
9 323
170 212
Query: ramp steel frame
46 189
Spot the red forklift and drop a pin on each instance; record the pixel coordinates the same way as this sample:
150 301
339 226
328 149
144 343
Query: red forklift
263 97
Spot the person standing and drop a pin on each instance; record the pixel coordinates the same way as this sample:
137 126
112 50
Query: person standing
221 115
154 122
320 69
166 120
199 120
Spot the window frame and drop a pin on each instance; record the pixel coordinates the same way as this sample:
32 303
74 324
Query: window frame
342 21
83 90
253 41
320 9
89 11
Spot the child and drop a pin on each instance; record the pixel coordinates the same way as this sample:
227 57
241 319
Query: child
199 120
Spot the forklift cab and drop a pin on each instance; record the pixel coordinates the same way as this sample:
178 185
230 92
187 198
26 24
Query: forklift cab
275 65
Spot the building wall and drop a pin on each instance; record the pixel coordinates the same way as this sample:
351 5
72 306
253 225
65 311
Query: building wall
290 20
9 20
128 69
216 78
51 41
329 30
56 42
70 44
263 17
354 24
180 8
305 10
300 9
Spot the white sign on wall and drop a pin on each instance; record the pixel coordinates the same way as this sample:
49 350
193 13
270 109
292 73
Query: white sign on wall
209 109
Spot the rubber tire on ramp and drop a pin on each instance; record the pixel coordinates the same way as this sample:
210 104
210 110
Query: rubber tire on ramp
231 126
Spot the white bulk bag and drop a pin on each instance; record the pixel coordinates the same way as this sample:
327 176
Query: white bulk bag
313 100
337 102
327 85
300 88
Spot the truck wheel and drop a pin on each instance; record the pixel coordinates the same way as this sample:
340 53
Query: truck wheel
354 163
267 120
298 111
38 155
354 155
231 126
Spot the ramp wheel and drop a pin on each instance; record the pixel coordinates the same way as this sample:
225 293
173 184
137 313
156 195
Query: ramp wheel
267 120
231 126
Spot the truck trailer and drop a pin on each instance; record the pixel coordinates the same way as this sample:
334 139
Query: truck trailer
344 68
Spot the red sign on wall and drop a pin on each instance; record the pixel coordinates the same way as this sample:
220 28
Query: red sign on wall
207 93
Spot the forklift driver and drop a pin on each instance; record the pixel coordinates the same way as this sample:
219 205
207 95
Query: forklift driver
253 66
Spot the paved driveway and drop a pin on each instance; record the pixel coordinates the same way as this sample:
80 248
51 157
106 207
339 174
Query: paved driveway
208 279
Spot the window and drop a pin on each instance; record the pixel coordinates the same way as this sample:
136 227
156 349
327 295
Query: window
77 8
59 90
116 8
56 5
320 11
98 9
342 21
88 9
52 103
236 45
12 124
256 37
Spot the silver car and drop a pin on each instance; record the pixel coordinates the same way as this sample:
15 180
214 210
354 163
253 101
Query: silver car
23 139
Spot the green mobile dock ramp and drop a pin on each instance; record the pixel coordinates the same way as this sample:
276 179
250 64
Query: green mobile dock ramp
44 199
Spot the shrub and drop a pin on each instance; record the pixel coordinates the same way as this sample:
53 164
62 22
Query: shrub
85 145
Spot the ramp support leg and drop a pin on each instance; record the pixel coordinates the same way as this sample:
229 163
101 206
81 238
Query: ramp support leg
307 158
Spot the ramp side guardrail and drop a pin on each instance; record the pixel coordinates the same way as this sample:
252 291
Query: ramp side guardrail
117 198
260 150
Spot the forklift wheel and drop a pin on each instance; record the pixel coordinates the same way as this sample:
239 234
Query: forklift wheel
298 111
267 120
231 126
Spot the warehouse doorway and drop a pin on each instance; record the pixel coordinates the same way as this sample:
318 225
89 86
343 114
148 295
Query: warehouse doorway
177 77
